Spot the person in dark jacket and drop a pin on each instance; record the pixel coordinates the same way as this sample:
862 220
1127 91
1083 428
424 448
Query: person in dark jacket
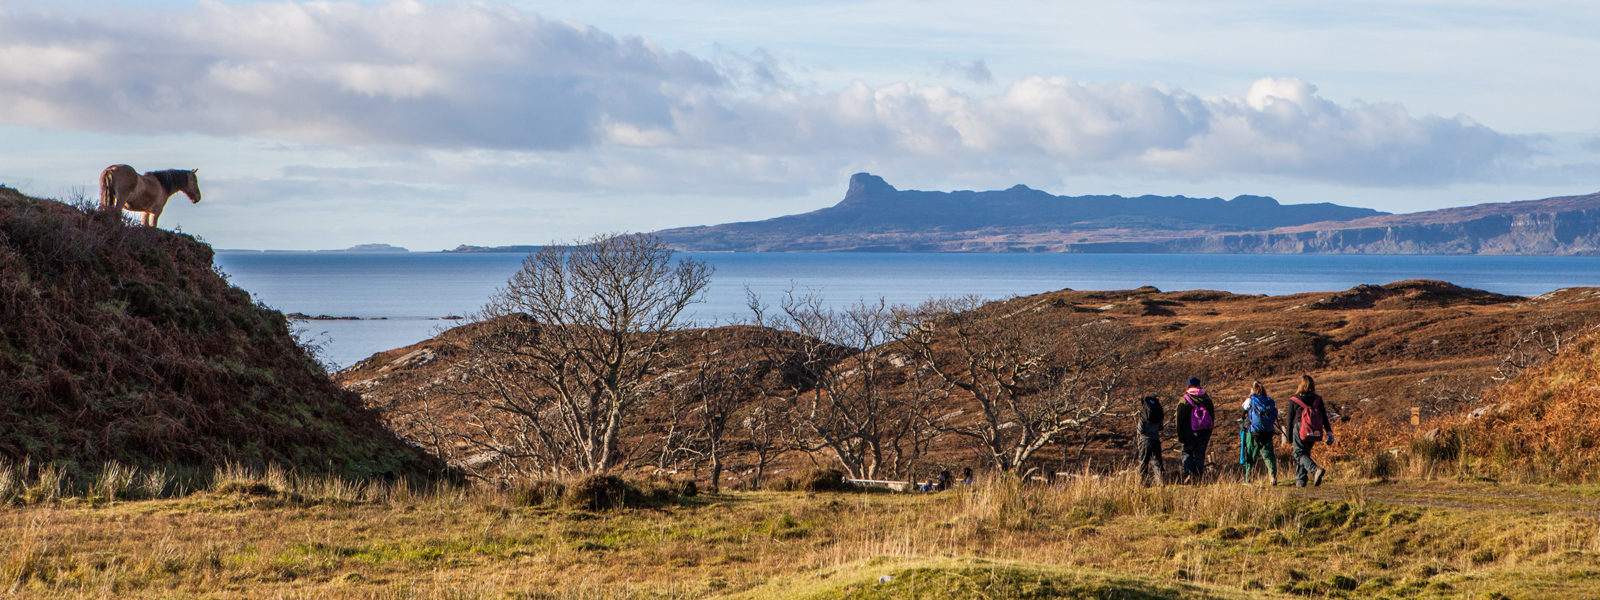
1196 417
1151 416
1261 422
1305 398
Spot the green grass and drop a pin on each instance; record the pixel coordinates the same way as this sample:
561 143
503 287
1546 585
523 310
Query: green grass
959 579
271 535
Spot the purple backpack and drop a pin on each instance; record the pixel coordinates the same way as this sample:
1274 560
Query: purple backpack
1199 417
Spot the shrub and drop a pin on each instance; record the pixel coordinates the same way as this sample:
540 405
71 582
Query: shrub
1382 465
602 492
539 492
813 480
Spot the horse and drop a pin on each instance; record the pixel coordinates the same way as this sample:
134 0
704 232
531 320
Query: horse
121 187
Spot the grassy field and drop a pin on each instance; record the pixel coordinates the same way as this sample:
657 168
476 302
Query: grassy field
274 537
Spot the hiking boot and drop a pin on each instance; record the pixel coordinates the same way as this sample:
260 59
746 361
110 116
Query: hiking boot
1316 478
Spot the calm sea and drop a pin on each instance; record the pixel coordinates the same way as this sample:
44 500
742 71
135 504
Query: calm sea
404 298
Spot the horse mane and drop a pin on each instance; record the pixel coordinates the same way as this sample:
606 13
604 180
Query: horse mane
172 180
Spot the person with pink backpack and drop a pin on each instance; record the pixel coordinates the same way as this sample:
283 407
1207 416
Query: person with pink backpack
1308 424
1196 419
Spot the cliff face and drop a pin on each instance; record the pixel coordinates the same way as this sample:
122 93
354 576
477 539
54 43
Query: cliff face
122 343
1557 226
874 216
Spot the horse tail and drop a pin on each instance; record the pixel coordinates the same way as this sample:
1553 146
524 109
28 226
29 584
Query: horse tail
108 190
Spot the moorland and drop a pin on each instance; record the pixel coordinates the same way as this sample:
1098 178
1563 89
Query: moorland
164 436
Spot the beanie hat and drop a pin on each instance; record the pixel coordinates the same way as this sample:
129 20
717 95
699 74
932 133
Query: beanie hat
1194 382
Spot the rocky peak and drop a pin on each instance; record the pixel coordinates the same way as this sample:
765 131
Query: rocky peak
863 185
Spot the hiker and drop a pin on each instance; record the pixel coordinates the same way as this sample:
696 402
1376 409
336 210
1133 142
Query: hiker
1195 420
1308 424
1151 416
1260 422
945 481
966 476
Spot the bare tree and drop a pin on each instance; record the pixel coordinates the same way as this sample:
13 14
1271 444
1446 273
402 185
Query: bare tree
1033 384
1532 344
851 400
765 429
567 349
724 381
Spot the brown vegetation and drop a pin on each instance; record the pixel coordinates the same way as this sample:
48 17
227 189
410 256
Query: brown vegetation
1378 352
1540 426
123 344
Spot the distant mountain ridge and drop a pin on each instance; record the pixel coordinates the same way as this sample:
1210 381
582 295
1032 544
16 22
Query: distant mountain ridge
1565 225
875 216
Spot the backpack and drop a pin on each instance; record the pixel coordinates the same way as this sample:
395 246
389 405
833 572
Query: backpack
1263 414
1199 417
1310 420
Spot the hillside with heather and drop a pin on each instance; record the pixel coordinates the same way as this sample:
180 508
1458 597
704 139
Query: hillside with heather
875 216
123 344
1540 425
1378 352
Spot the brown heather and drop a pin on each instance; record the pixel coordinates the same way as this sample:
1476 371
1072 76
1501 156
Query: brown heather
122 343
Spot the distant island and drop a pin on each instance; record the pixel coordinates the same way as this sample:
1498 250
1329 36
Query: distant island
876 217
466 249
371 249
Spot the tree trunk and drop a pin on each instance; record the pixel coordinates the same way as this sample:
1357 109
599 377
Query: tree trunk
716 471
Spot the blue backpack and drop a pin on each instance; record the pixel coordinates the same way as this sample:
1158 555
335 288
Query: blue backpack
1263 414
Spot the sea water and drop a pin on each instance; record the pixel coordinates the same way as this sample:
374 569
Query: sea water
403 298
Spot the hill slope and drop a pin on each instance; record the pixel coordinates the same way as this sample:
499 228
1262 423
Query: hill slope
122 343
1543 423
1377 351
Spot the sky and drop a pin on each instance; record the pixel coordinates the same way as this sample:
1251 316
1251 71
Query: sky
318 125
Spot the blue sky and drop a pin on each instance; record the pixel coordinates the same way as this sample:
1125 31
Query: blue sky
430 124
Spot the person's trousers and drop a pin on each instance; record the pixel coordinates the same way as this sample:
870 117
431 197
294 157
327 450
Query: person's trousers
1149 459
1303 465
1194 452
1258 446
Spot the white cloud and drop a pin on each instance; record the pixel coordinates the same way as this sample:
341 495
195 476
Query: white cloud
403 73
489 77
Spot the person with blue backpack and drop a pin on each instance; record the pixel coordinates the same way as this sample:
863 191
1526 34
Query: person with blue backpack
1196 418
1260 423
1308 424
